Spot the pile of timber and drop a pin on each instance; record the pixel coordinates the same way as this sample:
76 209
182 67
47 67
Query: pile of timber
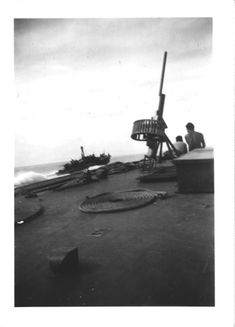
76 178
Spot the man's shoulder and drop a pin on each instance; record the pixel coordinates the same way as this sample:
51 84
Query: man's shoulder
188 136
199 134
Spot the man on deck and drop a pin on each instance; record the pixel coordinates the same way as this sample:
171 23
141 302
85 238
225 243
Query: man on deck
180 146
194 139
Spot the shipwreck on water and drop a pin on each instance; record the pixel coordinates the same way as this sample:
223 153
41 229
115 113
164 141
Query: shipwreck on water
85 162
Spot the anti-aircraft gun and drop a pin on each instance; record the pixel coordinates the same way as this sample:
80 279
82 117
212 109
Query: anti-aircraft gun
153 130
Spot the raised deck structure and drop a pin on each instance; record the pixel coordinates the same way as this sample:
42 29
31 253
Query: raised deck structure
195 171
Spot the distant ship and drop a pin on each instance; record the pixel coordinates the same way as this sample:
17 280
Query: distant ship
84 163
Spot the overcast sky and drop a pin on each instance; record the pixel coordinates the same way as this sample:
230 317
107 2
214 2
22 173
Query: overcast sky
85 81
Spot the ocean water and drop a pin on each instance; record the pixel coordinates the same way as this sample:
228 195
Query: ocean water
36 173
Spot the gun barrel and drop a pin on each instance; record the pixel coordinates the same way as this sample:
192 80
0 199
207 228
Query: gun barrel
163 72
161 106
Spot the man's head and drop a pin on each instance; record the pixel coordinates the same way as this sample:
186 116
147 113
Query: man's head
190 127
179 138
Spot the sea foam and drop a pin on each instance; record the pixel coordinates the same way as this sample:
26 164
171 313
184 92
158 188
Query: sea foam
24 178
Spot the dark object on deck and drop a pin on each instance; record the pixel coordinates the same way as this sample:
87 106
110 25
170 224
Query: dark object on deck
153 130
195 171
161 174
64 260
84 163
161 195
117 201
30 195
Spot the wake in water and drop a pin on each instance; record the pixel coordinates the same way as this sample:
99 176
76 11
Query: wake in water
28 177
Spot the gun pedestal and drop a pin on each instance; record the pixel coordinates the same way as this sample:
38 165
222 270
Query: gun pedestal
157 147
155 144
153 130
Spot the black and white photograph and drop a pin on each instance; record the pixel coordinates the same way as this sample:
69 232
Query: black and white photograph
114 182
116 198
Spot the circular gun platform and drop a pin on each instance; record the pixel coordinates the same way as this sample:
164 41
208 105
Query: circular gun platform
117 201
145 129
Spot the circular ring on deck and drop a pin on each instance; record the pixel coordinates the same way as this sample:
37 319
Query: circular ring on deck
117 201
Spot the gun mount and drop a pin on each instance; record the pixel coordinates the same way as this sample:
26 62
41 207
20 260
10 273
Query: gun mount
153 130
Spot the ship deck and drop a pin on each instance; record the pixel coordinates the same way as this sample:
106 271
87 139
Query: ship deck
159 255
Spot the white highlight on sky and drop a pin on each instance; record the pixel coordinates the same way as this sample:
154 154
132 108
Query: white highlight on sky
85 81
